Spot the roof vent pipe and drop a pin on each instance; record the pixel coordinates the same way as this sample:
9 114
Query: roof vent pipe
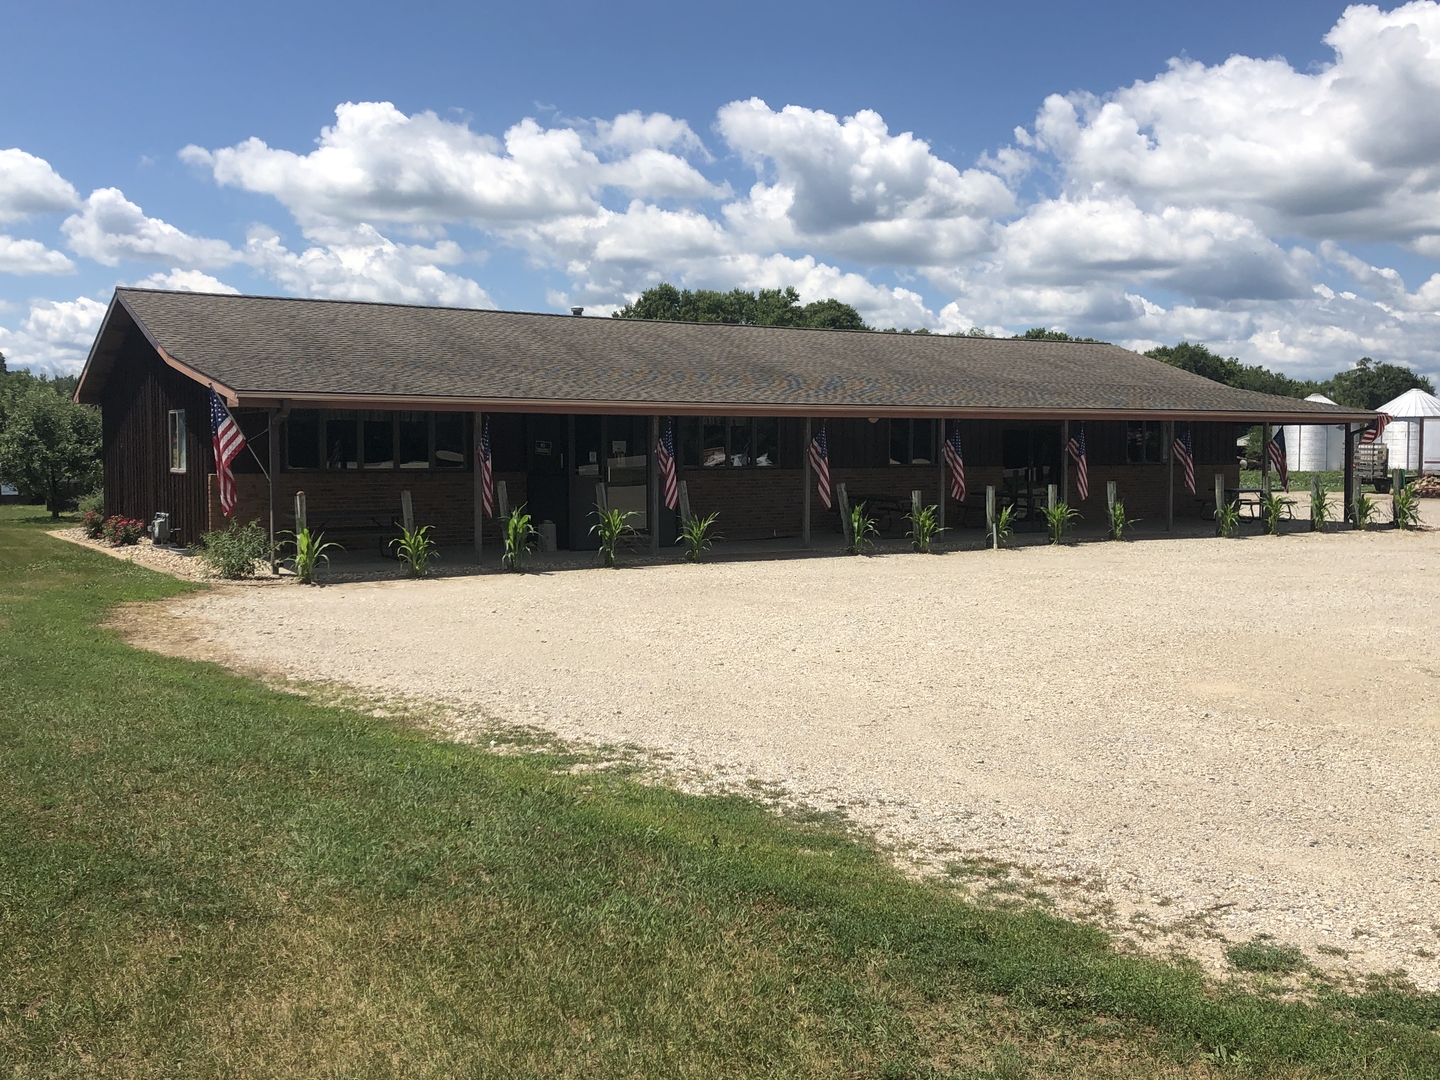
577 311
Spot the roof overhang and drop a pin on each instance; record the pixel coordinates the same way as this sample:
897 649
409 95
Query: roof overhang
118 322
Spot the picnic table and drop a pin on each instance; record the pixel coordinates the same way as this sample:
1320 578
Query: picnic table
884 508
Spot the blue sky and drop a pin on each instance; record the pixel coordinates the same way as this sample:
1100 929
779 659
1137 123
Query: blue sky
1261 177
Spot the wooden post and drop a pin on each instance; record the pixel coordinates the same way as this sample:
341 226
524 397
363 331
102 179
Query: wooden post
601 501
270 477
502 499
1265 458
684 502
805 480
1317 492
1420 461
1349 472
1170 459
300 519
940 456
1065 462
1110 493
915 502
1050 496
1219 493
479 498
990 514
652 516
407 511
843 498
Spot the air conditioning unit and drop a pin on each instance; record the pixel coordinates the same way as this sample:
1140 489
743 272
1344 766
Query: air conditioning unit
160 528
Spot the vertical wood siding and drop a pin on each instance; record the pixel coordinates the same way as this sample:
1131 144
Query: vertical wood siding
135 408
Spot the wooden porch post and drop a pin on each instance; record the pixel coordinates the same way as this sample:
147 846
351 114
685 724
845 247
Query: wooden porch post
270 436
1349 472
653 474
940 456
1170 458
1265 458
1065 462
805 480
479 498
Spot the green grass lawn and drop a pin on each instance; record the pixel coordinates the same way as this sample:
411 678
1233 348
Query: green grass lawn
203 877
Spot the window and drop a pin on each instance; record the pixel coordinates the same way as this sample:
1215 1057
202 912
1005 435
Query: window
1144 442
342 441
302 439
379 434
414 441
450 440
712 442
177 440
912 442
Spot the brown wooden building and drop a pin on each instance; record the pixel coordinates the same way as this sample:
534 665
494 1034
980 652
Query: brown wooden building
356 402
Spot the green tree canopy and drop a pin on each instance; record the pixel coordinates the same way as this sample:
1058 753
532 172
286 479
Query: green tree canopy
49 446
768 307
1369 385
1041 333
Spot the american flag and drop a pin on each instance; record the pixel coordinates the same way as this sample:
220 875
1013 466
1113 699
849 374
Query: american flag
228 440
1082 469
1184 449
665 460
955 461
1375 428
1276 453
487 472
820 462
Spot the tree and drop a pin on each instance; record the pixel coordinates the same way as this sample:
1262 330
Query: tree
1040 333
768 307
1199 360
1369 385
49 446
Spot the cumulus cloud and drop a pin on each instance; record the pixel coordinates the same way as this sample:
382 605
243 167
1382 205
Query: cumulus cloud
31 257
855 190
1350 150
54 337
360 264
375 164
28 185
109 228
178 280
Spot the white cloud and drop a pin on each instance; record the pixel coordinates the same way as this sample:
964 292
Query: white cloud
31 257
110 228
28 185
1350 150
54 337
360 264
856 191
178 280
375 164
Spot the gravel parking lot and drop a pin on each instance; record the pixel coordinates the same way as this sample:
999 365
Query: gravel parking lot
1193 741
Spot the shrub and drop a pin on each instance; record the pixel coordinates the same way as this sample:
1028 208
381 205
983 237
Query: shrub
924 527
1119 522
519 535
94 524
122 531
233 552
307 550
1227 519
1407 508
92 503
415 548
695 534
611 526
862 528
1058 519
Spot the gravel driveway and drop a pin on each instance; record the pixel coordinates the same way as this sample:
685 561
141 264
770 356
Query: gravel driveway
1191 741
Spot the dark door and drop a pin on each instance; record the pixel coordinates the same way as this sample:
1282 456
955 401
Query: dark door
1032 464
547 440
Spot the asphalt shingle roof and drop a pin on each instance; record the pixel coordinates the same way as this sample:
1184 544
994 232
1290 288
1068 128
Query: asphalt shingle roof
278 348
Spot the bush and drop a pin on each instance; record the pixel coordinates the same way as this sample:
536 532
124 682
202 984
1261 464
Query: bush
233 552
122 531
94 524
92 503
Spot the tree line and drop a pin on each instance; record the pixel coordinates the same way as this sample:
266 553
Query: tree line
49 446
